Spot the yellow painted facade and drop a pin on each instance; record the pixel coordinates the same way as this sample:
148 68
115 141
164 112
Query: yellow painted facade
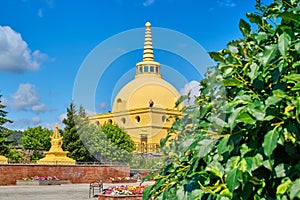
144 106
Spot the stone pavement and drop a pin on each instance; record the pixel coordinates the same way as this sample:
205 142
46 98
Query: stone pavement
48 192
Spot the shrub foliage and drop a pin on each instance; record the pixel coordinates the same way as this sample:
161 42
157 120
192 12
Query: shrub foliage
242 139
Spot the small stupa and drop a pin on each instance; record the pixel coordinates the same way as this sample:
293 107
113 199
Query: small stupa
3 160
56 155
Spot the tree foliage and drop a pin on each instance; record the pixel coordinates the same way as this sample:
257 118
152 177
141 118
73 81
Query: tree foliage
15 138
108 143
37 139
71 138
242 140
4 132
118 136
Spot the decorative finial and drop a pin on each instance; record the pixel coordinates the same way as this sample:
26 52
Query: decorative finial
56 134
148 66
148 49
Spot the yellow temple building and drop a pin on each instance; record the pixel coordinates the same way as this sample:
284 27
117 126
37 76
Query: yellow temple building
144 105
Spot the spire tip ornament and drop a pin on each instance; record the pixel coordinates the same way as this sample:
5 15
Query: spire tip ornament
148 24
148 66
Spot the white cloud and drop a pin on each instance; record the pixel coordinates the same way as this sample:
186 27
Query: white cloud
36 120
148 3
62 117
51 126
192 89
40 108
102 105
25 96
15 55
226 3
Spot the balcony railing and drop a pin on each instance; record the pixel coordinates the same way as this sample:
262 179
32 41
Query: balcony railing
147 148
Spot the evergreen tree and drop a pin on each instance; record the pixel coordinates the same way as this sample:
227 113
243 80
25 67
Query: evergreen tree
71 138
4 132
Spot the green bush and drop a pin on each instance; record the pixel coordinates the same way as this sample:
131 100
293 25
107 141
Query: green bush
15 156
242 140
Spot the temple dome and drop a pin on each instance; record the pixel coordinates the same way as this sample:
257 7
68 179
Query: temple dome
147 85
141 90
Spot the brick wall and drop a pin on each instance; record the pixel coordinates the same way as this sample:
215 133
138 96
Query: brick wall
76 174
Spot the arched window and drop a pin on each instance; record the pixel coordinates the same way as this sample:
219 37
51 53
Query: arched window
123 120
151 68
137 119
146 69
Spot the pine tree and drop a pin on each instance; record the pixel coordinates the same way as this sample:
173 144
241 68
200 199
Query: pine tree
4 132
71 138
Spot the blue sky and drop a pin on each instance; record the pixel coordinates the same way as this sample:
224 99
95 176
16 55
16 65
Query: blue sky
44 43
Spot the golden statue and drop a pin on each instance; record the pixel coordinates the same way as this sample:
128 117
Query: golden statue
56 155
3 160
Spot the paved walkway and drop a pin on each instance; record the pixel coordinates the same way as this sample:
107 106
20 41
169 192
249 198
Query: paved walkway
49 192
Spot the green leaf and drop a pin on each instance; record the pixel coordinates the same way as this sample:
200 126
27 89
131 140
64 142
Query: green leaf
146 192
216 56
216 169
233 48
244 165
232 118
295 189
280 94
269 54
270 142
254 72
291 17
254 18
282 188
257 109
232 179
244 27
257 161
226 193
284 43
244 117
293 77
280 170
269 164
223 145
204 147
180 193
232 82
232 163
297 47
271 100
181 99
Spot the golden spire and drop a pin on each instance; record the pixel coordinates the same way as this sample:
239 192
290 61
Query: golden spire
148 49
148 66
56 134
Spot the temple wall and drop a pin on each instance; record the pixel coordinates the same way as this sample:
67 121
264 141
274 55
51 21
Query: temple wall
76 174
